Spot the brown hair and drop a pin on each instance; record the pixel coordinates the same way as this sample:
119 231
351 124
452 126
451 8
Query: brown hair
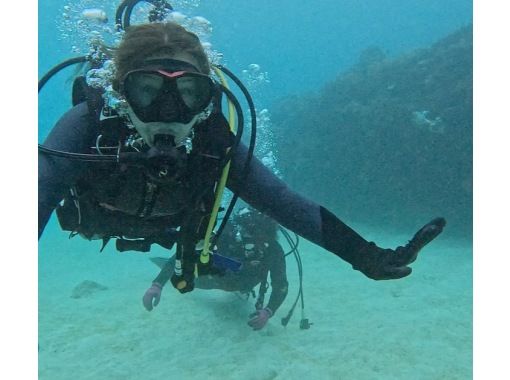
142 41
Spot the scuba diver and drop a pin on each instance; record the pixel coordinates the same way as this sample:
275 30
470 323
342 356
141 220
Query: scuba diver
151 167
250 245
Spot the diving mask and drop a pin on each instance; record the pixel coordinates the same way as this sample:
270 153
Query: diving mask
163 96
166 98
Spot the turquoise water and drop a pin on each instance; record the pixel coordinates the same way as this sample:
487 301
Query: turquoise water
419 327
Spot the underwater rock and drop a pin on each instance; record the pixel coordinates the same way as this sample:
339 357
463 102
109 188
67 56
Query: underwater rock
389 139
86 289
371 55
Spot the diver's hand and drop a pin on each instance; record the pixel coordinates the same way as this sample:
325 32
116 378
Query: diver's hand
184 283
259 318
152 296
388 264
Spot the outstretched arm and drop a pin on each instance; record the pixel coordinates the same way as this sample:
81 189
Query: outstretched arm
267 193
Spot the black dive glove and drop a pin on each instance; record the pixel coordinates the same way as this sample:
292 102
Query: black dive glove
387 264
374 262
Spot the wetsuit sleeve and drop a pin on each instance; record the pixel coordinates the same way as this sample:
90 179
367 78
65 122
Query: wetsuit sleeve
74 132
278 274
263 190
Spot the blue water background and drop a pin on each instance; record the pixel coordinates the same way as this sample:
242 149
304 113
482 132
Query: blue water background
415 328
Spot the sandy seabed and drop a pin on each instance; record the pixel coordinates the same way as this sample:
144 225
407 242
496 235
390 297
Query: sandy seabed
416 328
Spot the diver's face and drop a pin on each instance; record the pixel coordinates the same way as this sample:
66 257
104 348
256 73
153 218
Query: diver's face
167 95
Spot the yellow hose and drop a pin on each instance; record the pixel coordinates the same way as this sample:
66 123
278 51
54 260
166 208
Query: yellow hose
204 256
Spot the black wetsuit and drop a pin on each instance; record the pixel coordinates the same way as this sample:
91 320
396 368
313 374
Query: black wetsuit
77 131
